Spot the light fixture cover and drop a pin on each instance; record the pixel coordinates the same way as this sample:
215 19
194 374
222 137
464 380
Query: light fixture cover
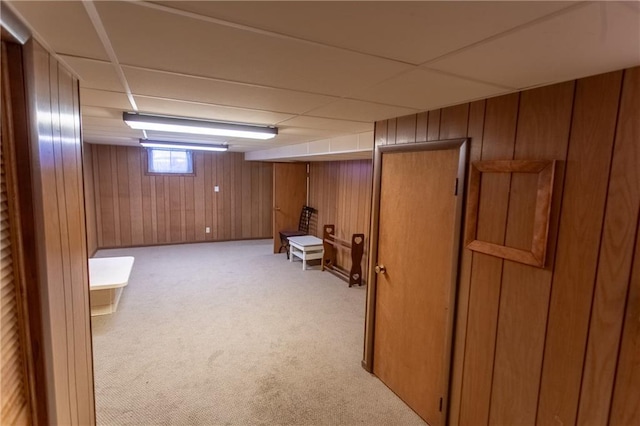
164 123
182 145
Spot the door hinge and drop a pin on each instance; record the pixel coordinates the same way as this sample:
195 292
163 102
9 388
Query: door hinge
440 405
455 190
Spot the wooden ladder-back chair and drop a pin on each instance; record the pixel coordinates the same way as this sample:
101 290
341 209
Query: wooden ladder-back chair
303 229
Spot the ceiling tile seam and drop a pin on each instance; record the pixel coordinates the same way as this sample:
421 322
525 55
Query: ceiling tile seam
229 81
518 28
243 108
322 118
307 114
399 74
202 77
471 79
292 114
260 31
94 16
161 98
36 35
335 98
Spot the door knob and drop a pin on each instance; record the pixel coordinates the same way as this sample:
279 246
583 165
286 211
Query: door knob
277 209
380 269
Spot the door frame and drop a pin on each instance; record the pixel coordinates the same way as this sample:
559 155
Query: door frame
462 145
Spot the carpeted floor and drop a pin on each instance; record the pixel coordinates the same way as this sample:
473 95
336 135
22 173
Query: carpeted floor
230 334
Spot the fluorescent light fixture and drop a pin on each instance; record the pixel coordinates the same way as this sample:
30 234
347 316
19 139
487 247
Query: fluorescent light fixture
182 145
164 123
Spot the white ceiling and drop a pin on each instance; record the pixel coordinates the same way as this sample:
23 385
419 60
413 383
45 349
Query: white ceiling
319 70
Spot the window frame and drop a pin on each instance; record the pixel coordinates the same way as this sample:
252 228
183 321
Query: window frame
148 157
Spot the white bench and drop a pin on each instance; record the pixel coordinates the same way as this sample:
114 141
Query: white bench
306 248
107 277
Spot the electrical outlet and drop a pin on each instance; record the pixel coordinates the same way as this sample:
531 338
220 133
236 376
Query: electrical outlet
207 230
216 188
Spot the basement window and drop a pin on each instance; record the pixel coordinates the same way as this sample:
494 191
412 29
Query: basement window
170 161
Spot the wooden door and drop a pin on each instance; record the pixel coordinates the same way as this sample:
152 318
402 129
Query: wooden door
418 229
289 195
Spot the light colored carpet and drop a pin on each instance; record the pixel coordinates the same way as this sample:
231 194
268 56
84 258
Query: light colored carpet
230 334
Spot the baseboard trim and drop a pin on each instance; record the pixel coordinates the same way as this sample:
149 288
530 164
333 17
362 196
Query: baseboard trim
177 243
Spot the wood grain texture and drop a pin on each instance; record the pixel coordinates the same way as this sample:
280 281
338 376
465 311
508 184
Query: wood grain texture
90 199
433 125
453 122
474 130
523 353
498 143
406 130
534 245
59 215
392 125
140 209
18 400
421 126
624 406
411 330
289 196
543 133
24 191
341 194
615 259
380 132
577 251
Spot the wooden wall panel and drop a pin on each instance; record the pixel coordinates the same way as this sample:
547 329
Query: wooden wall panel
406 131
498 143
549 345
90 199
18 400
341 192
614 268
543 133
61 243
584 198
475 131
140 209
433 125
625 409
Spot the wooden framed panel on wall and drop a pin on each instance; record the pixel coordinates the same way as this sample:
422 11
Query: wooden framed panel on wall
535 256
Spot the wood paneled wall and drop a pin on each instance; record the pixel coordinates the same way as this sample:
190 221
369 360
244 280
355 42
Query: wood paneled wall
556 345
59 238
90 199
16 367
134 208
341 192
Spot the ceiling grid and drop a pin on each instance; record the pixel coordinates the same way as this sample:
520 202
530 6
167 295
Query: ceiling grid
319 70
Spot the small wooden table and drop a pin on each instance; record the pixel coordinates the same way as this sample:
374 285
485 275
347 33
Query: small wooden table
306 248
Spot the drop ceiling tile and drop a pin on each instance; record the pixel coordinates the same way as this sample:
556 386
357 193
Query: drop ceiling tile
94 74
100 139
207 111
348 109
154 39
595 38
387 29
105 99
99 112
303 133
64 25
319 123
424 90
181 87
113 126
